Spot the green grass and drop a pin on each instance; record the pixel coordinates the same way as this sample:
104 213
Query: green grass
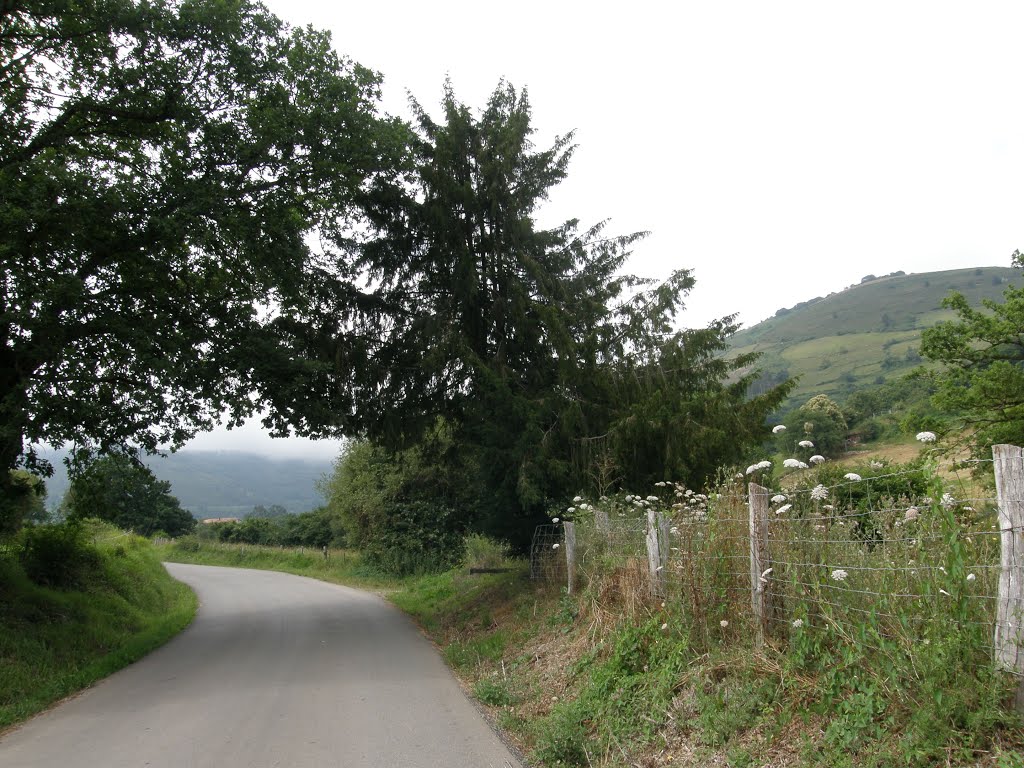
341 566
55 642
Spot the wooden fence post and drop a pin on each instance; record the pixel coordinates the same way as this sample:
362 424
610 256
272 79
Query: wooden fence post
657 551
760 560
570 555
1008 643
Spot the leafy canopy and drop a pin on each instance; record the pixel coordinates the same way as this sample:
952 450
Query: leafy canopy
179 179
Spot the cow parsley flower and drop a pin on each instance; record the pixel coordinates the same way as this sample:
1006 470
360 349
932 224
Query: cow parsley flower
947 501
723 623
652 498
778 428
555 546
797 623
839 574
783 509
577 500
817 459
926 437
570 510
660 484
805 444
778 498
792 463
819 492
853 477
554 519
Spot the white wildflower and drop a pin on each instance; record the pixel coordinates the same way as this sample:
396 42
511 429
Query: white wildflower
797 623
578 499
944 592
817 459
778 498
723 623
876 464
652 498
783 509
664 627
911 514
555 546
971 577
554 519
792 463
819 492
660 484
764 576
674 530
778 428
853 477
629 498
839 574
947 501
805 444
570 510
926 437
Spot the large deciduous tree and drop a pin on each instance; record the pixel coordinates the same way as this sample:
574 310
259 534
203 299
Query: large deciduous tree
983 354
176 177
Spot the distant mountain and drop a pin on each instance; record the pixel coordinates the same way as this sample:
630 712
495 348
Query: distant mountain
864 335
223 483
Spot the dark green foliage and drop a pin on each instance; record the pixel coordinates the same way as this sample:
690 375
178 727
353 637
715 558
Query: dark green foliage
58 556
821 422
26 502
540 356
163 166
406 511
413 537
120 489
983 355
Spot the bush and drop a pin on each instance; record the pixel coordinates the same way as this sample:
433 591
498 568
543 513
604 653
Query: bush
414 537
58 556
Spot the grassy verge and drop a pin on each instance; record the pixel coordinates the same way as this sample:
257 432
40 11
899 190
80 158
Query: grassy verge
56 641
341 566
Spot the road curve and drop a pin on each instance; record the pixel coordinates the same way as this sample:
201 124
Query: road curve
276 671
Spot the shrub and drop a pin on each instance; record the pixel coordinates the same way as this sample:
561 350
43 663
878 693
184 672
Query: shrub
58 555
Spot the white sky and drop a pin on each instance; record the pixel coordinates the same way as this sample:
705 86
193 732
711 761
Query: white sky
781 150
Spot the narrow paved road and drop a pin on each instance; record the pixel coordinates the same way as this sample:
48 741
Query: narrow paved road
276 670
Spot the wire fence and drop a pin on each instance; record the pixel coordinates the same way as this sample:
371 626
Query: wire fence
890 559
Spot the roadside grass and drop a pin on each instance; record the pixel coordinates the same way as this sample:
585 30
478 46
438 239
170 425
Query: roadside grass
341 566
55 642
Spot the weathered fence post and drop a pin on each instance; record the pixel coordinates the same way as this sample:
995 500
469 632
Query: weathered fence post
1009 644
570 555
760 560
657 551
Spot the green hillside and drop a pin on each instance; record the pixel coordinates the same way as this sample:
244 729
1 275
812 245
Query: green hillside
864 335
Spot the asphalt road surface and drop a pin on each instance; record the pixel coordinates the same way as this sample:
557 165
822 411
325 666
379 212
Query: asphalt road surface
276 670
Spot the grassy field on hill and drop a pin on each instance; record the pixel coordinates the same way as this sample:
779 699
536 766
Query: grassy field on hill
864 335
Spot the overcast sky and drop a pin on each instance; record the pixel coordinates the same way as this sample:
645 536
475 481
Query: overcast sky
780 150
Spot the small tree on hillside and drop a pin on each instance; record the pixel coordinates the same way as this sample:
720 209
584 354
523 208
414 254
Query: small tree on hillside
820 421
118 488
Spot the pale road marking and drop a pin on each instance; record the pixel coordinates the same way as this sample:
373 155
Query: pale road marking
276 671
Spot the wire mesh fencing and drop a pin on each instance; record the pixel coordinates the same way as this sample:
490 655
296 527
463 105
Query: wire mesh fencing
889 561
